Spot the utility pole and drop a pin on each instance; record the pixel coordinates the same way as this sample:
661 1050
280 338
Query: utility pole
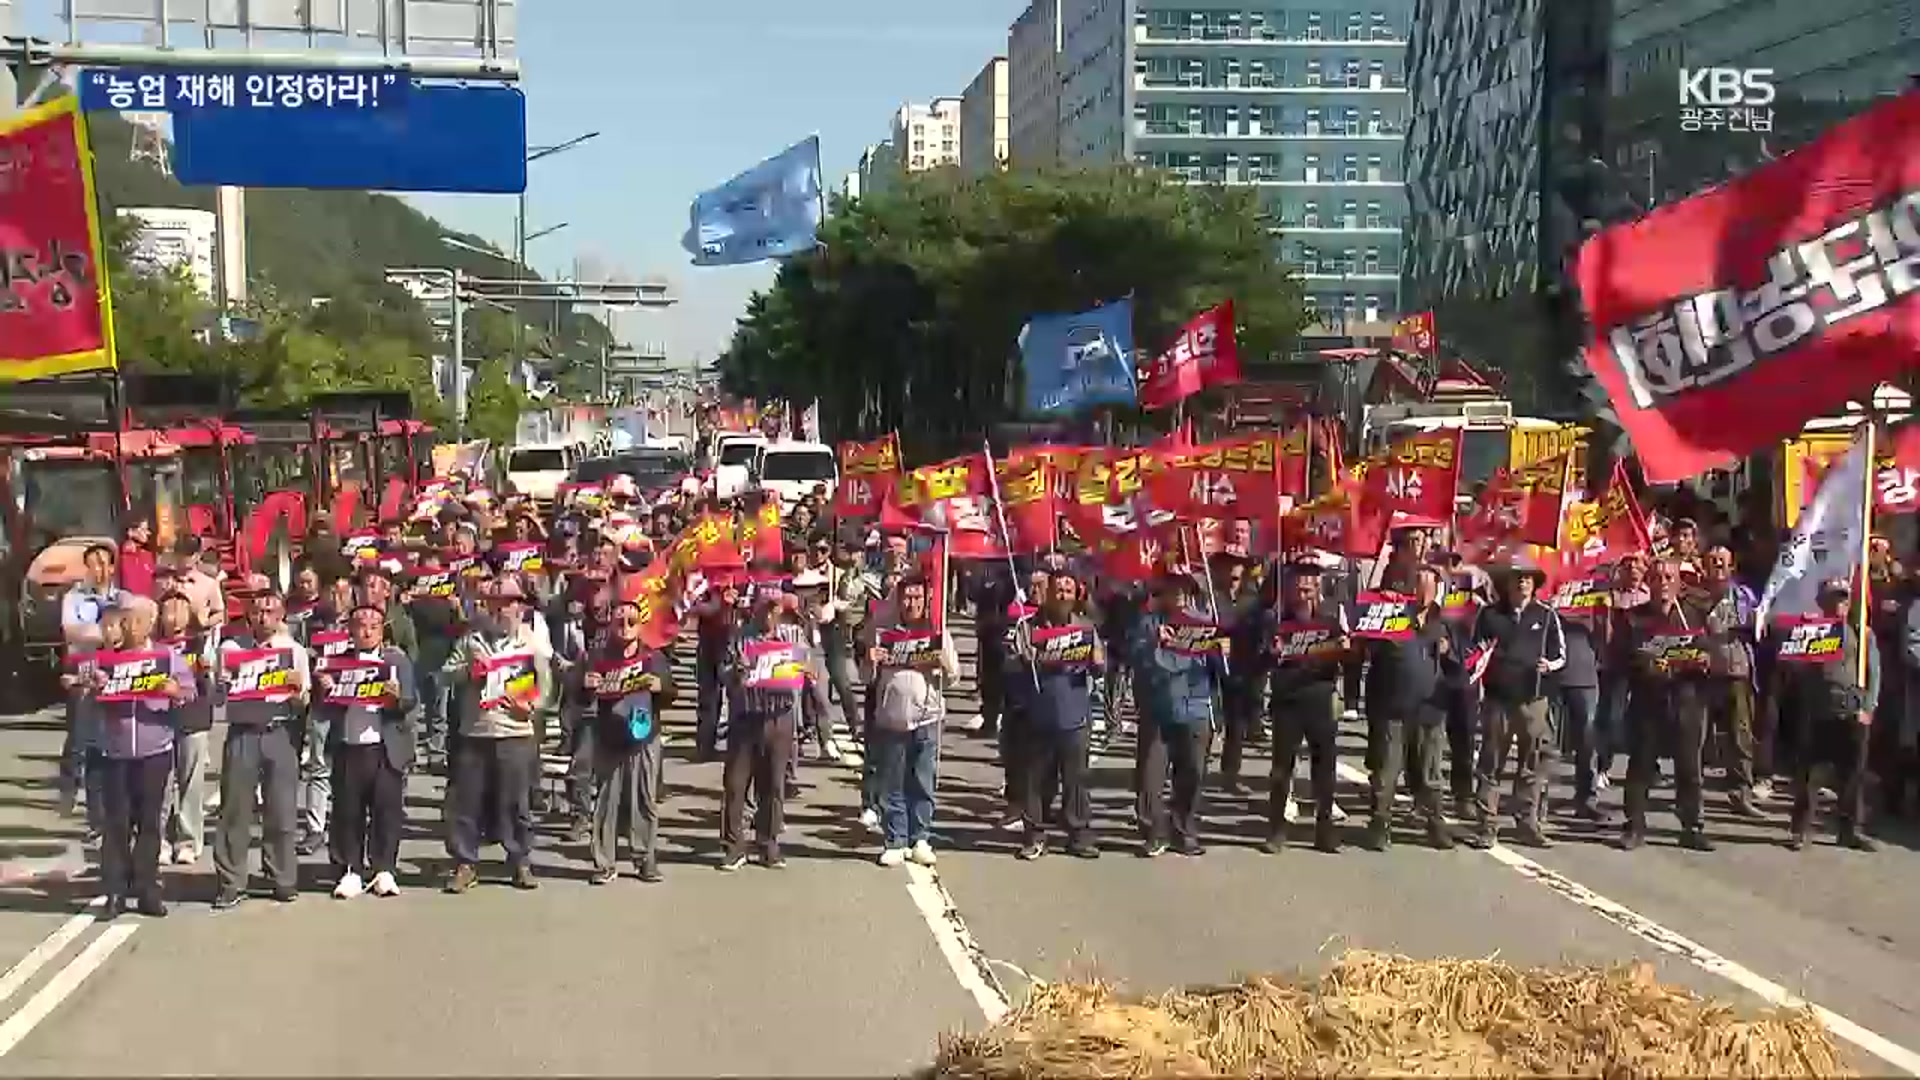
9 86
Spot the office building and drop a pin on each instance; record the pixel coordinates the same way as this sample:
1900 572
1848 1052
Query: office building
879 168
983 120
1534 122
166 239
1307 103
927 136
1033 87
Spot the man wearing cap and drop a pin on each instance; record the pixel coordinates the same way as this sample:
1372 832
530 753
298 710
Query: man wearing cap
1058 704
1177 691
1664 706
260 760
1409 696
761 727
496 761
1837 724
1731 629
1528 646
1304 699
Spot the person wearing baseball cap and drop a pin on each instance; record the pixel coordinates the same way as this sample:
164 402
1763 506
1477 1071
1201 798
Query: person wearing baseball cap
1836 724
496 761
762 724
261 757
1178 696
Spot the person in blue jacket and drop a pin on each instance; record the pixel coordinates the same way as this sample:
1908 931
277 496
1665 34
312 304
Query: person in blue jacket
1177 691
1057 699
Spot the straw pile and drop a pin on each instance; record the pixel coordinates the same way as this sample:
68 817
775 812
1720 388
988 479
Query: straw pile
1379 1015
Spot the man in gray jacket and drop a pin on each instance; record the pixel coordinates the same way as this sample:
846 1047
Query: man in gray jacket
261 756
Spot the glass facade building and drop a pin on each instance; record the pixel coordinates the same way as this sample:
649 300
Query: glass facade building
1305 101
1534 122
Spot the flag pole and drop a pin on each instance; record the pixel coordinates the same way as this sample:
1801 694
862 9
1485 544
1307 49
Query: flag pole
1866 546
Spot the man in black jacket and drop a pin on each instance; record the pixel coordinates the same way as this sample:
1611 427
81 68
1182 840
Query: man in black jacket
1528 645
1836 726
1407 692
1304 643
371 747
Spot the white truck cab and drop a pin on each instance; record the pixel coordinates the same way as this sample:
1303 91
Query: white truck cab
734 455
537 470
789 470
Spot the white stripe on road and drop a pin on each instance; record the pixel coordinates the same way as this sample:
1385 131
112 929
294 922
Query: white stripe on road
969 963
20 974
41 1005
1670 941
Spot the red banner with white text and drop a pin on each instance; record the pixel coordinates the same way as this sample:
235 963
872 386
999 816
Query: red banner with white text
1203 354
1723 322
56 311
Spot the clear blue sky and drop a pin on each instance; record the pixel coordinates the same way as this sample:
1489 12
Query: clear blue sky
685 93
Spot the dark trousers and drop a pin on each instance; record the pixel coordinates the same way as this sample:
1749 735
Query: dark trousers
259 774
706 729
1730 710
369 807
1463 723
1181 748
758 751
1665 718
990 676
1240 704
1841 741
1413 747
838 645
1065 752
1520 728
1579 717
580 770
1314 721
135 793
626 791
492 796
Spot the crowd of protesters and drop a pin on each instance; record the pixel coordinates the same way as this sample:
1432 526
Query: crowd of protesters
431 604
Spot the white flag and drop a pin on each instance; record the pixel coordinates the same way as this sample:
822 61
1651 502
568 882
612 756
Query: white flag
1826 541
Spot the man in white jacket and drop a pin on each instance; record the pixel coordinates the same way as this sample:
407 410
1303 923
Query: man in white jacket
913 660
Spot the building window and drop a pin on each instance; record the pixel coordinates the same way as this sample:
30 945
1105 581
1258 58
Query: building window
1348 263
1376 74
1313 26
1313 167
1349 214
1313 73
1313 121
1375 173
1310 215
1372 263
1373 215
1350 72
1353 26
1349 168
1380 29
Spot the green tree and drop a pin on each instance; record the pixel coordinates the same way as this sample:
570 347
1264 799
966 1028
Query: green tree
906 318
493 403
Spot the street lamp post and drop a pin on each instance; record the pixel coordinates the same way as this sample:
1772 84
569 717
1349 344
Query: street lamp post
520 237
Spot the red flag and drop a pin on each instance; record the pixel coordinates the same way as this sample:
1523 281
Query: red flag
1413 481
1203 354
759 534
1026 499
1236 478
1595 534
1414 334
867 470
1725 321
1520 506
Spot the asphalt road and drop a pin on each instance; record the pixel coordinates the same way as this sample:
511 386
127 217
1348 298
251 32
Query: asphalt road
836 966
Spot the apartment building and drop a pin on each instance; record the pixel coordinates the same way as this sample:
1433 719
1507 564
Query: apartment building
927 136
879 167
1033 87
984 120
1306 102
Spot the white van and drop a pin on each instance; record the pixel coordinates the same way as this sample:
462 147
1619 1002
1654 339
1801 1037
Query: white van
733 460
537 470
790 470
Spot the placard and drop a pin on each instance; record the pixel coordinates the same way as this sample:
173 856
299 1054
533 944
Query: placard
1193 638
520 557
140 675
258 674
1583 597
622 676
433 580
191 650
1809 640
1461 603
362 546
1308 642
1063 646
359 682
507 677
773 665
910 648
329 643
1676 651
1383 616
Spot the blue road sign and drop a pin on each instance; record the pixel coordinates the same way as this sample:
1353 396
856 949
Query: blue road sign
154 90
447 139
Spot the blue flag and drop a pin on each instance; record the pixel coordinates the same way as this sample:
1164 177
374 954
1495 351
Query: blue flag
768 212
1075 362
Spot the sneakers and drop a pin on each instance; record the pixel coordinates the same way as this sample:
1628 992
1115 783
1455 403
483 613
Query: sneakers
384 885
648 871
893 856
922 854
831 751
228 899
1338 813
349 887
166 855
730 863
1290 813
1153 849
462 878
603 876
185 855
870 819
523 878
1762 791
1031 850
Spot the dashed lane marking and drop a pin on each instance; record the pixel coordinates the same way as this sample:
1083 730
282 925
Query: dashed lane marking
969 962
64 982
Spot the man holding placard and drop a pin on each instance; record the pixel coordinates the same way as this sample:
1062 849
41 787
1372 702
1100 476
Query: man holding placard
499 670
1053 670
366 704
1305 645
1660 644
1179 660
263 678
765 672
914 661
631 685
1838 721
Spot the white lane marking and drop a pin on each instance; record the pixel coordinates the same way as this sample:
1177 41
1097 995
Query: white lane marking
42 1004
1671 941
53 945
969 963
